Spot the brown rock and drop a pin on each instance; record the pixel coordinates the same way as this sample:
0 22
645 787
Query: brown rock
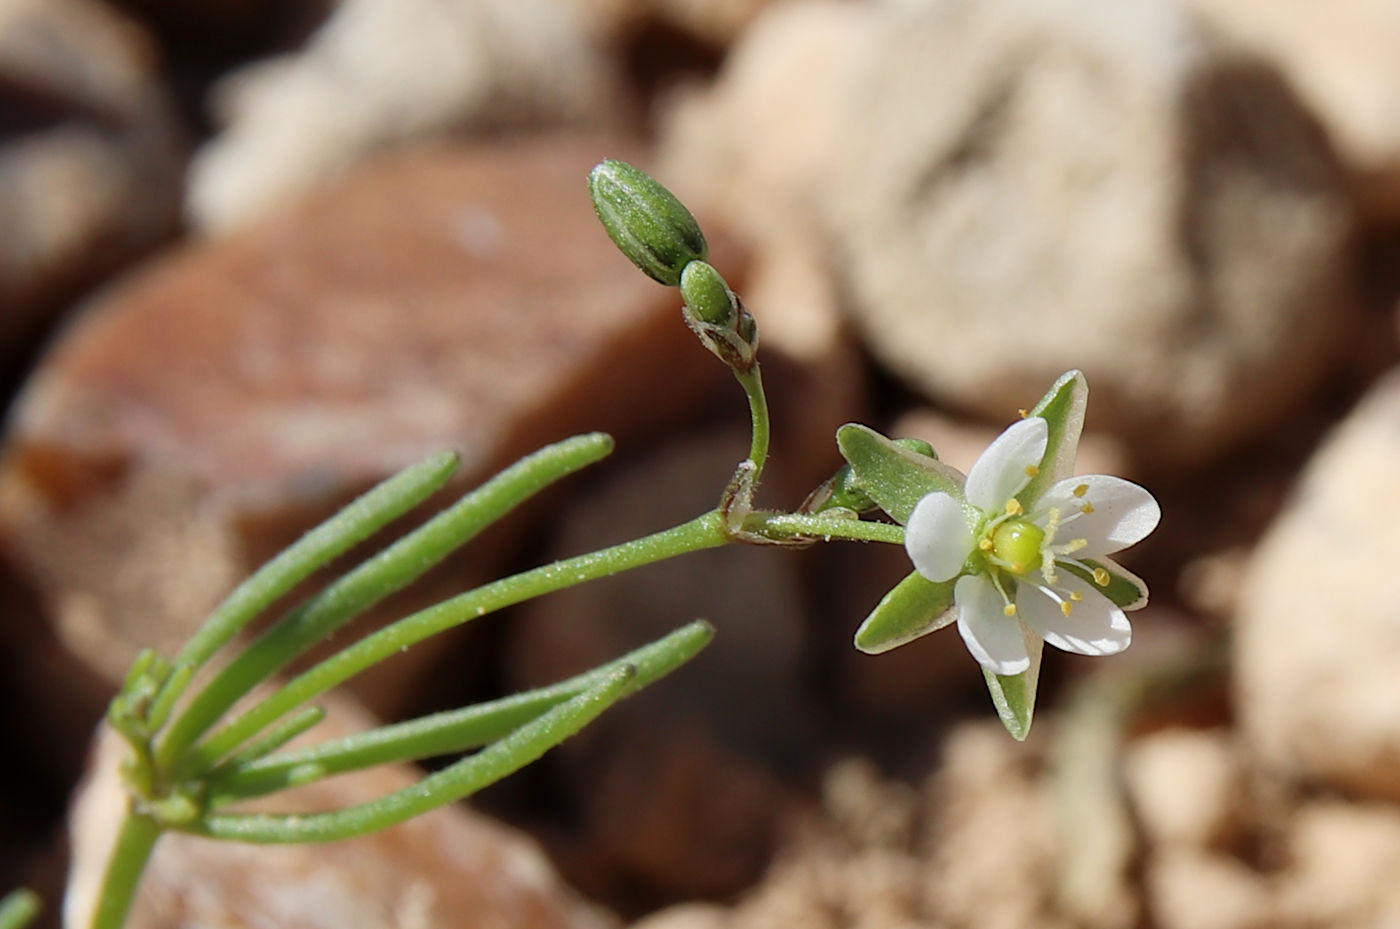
716 22
90 164
201 416
678 790
1341 58
1020 189
1315 640
380 73
448 868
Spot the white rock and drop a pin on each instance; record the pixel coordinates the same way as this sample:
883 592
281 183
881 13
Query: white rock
1027 186
1318 629
1186 786
1195 890
383 71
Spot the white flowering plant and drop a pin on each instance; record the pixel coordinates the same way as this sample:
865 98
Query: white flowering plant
1016 552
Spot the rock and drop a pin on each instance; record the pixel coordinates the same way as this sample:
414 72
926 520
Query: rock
448 868
687 916
1020 189
1187 787
714 22
200 417
679 791
1344 866
1315 633
1339 56
1189 889
90 161
987 787
382 72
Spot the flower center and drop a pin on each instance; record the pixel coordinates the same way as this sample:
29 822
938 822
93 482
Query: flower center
1016 544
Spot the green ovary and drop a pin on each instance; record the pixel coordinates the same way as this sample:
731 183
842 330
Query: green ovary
1016 543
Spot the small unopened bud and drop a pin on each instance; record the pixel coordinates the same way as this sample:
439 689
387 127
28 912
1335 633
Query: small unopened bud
646 221
707 295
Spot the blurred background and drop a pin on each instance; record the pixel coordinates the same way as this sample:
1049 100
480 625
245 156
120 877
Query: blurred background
257 255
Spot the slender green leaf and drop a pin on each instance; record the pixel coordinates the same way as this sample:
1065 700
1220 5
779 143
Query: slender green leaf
915 607
1014 695
894 476
452 783
378 577
456 730
352 525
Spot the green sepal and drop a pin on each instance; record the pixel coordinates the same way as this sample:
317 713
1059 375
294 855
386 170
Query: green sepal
895 477
915 607
1013 695
1062 408
1125 589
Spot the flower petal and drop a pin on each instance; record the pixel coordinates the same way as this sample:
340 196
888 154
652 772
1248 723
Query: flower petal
993 638
1120 514
937 538
1000 473
1095 626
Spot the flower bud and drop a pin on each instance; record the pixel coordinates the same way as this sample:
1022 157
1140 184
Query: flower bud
707 295
645 221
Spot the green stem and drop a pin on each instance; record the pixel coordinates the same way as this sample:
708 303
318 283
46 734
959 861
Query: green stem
132 850
794 526
752 382
700 533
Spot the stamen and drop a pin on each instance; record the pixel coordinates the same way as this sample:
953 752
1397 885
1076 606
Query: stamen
1009 610
1070 547
1076 596
1024 413
986 544
1066 607
1102 577
1087 508
1032 470
1081 490
1014 508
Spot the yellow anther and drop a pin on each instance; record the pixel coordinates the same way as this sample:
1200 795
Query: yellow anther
1023 413
986 544
1066 607
1081 490
1032 470
1009 610
1087 508
1102 577
1014 508
1076 596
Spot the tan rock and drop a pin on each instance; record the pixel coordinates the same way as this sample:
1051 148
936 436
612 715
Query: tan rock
383 72
1186 787
716 22
1344 865
200 417
1020 189
448 868
90 164
1341 58
1315 633
1189 889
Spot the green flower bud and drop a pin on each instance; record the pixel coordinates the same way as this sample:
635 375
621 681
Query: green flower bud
645 221
707 295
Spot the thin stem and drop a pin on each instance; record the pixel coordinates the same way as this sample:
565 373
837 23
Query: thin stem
786 526
132 850
752 382
700 533
454 782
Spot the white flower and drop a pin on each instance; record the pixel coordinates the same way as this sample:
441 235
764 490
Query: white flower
1024 567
